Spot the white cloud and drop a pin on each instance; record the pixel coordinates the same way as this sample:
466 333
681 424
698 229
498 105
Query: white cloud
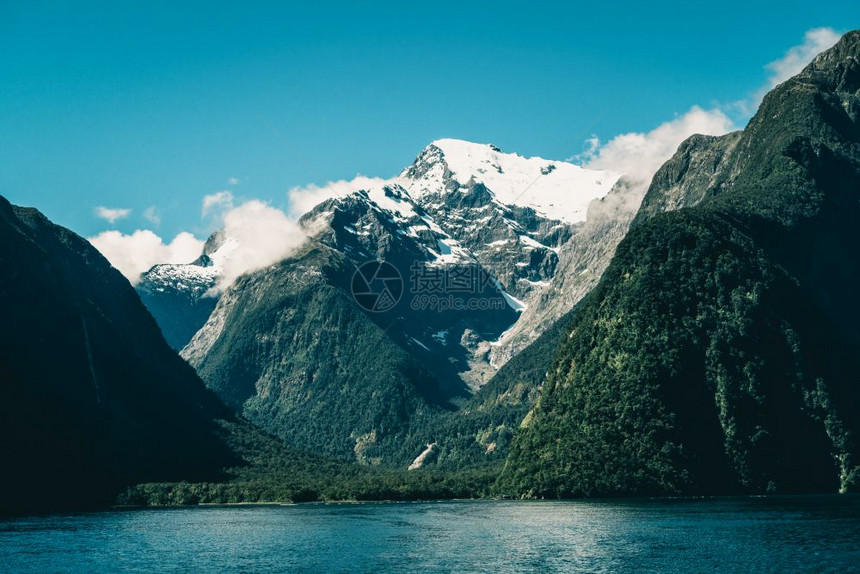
111 214
798 57
233 181
638 155
151 215
137 252
792 63
221 200
264 236
303 199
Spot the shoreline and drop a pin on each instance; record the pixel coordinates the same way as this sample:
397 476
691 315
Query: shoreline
603 500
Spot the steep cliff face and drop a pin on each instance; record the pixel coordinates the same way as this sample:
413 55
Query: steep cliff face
581 262
91 396
719 353
703 166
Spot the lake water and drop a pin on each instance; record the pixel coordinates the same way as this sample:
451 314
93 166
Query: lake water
820 534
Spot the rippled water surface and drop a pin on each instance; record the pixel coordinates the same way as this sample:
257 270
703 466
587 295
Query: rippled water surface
740 535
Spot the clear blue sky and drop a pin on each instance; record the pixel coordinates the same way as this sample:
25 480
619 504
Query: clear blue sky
131 104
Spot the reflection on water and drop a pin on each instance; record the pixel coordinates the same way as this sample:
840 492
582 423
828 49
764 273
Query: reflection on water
818 534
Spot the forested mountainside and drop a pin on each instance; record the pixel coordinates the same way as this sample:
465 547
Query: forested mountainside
479 434
292 351
97 409
719 352
91 396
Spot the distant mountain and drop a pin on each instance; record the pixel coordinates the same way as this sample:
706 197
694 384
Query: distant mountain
293 350
510 214
180 296
720 352
91 397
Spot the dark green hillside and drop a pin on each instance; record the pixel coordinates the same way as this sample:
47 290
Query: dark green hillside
721 351
481 432
303 361
95 407
274 472
91 396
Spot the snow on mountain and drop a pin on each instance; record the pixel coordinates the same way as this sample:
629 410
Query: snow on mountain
461 203
199 276
458 203
471 203
180 296
557 190
395 201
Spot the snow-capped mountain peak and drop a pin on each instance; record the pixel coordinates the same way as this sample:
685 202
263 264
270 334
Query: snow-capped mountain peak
557 190
458 204
181 295
200 275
